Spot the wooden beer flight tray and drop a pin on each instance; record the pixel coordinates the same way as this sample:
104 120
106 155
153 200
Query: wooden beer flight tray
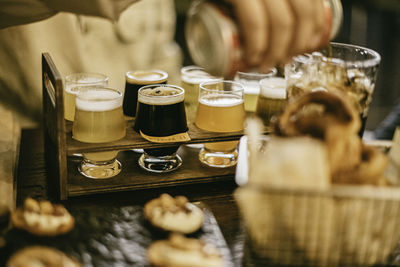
62 166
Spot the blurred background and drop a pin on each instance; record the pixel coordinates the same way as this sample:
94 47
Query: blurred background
370 23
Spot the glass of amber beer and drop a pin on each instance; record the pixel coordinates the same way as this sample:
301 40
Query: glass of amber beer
272 99
161 118
251 82
221 109
75 81
99 119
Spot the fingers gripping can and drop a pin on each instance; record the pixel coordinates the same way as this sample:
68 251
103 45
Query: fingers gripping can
213 35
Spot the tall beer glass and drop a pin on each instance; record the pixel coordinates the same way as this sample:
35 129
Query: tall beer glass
347 69
75 81
251 81
161 118
191 77
221 109
99 119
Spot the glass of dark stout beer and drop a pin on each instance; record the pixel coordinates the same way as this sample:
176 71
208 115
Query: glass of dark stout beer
134 80
161 118
343 68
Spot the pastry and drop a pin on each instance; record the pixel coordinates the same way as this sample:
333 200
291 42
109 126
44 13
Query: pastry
42 218
35 256
180 251
330 117
175 214
369 171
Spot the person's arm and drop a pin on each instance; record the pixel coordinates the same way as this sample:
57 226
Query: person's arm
275 30
16 12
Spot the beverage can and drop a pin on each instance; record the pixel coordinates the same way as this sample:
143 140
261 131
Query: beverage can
213 36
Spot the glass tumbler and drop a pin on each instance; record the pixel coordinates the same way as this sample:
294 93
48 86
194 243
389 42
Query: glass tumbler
251 82
99 119
191 77
161 118
221 109
347 69
75 81
272 99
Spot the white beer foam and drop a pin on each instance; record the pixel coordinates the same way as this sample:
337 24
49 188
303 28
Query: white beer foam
98 100
162 95
251 87
76 80
199 76
221 100
145 77
274 88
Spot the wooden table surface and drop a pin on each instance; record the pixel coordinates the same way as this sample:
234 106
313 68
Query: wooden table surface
32 181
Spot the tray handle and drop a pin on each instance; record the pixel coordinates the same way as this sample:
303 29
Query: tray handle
54 127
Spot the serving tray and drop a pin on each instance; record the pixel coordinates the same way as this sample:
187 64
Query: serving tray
113 236
60 148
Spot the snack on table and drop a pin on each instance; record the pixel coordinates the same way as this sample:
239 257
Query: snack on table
180 251
42 218
36 256
331 118
174 214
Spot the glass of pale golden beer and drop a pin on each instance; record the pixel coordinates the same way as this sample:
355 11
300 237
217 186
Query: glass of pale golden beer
191 77
99 119
251 81
221 109
272 99
75 81
161 118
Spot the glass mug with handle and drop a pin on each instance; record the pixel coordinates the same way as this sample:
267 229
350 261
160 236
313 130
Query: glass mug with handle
72 84
99 119
161 118
221 109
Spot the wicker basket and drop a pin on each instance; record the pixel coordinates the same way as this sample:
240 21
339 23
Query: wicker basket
347 225
336 225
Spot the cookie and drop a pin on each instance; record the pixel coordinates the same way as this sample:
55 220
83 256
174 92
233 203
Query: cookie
42 218
41 256
180 251
175 214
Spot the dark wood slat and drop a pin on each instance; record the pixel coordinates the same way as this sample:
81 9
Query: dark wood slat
133 177
134 140
53 119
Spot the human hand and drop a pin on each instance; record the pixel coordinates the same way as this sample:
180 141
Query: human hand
275 30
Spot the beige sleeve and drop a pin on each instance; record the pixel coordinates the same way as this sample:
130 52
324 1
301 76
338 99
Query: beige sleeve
18 12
